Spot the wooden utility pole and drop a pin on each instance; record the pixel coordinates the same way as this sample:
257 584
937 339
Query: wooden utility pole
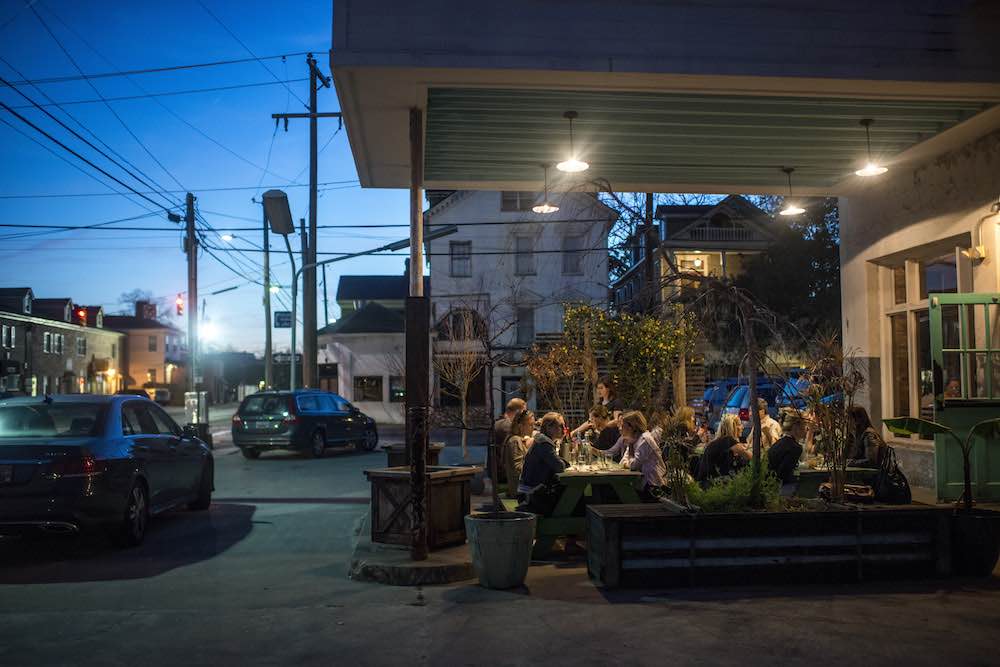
417 346
268 363
326 300
191 248
309 359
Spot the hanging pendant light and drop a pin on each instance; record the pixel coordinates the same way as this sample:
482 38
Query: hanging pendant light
545 206
790 208
872 168
572 165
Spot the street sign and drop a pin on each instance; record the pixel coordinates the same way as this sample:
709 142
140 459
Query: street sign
282 319
284 357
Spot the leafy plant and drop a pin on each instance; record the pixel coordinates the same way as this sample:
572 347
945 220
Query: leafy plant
750 488
924 428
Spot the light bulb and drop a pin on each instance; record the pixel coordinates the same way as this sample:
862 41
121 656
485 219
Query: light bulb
871 169
545 207
572 166
791 209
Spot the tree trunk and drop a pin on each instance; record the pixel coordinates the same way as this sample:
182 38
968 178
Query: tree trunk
755 492
494 452
465 427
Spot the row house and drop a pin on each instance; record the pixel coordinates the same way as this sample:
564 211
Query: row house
53 346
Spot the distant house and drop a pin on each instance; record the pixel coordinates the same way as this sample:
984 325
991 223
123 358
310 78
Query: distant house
355 292
366 348
46 347
155 354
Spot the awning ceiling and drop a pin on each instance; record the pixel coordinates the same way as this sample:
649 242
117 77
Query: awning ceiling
503 135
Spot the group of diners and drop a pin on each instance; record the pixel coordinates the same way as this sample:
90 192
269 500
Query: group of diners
529 448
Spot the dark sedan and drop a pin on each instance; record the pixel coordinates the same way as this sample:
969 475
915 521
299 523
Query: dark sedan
78 461
306 420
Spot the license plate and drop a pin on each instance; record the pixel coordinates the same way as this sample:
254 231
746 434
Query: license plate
262 425
6 474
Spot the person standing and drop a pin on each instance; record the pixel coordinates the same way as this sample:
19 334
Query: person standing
607 396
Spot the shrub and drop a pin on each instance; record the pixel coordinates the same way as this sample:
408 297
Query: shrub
733 493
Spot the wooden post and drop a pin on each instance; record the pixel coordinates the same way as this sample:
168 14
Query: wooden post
417 346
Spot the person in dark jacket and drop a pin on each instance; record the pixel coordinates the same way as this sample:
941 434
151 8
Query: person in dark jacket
725 453
607 396
867 448
783 456
501 431
538 488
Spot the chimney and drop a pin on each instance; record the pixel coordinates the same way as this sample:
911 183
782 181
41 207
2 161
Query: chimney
145 310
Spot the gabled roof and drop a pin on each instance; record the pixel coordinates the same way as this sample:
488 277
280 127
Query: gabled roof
12 298
52 308
373 318
679 220
376 288
125 322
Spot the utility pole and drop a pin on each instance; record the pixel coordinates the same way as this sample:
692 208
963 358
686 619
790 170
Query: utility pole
191 247
309 358
326 300
268 364
306 246
650 265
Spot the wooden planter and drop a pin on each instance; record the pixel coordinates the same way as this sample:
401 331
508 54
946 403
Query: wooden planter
650 544
397 456
448 501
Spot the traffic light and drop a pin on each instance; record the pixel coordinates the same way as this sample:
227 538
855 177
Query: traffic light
81 316
180 305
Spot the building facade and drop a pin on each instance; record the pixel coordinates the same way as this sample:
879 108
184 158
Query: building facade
516 270
56 347
155 352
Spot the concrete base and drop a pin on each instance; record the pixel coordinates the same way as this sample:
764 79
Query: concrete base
390 564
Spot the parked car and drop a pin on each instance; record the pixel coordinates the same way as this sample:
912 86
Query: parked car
714 398
161 395
738 401
305 420
69 463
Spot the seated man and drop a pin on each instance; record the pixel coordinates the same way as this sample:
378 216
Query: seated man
538 488
783 456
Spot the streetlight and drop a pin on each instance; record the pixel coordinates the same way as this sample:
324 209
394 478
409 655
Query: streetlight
398 245
278 215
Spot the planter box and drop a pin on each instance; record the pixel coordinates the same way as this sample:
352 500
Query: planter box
397 455
448 501
651 544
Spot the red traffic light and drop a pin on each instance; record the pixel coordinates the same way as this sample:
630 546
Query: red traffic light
81 314
180 304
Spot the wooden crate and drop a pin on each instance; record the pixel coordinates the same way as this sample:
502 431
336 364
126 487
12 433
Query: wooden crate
447 503
650 544
397 455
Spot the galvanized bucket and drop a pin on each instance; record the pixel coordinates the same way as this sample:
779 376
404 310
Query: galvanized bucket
500 543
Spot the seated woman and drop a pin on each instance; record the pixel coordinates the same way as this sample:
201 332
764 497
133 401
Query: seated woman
867 448
783 456
606 430
516 447
725 454
538 488
640 452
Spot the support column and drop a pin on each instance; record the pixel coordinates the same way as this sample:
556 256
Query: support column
417 346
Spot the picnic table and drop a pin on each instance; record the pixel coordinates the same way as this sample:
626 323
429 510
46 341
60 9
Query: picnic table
810 479
576 484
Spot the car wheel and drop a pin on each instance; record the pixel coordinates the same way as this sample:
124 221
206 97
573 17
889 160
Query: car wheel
132 529
317 444
204 497
371 440
250 453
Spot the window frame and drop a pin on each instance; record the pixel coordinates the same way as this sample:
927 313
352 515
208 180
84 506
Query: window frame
519 339
47 342
524 255
81 346
364 393
517 201
152 344
573 255
464 256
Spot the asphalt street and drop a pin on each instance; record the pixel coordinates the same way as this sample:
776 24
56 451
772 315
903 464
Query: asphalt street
260 579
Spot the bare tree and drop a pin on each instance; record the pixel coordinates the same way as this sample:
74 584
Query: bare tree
459 360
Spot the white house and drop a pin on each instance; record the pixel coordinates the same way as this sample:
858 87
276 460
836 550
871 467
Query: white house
516 268
367 346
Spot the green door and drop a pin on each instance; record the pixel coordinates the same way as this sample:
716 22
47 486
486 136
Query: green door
965 356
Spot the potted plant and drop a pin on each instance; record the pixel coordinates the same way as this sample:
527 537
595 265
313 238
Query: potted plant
975 535
500 543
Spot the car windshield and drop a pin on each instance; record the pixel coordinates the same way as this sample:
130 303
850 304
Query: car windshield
268 404
50 420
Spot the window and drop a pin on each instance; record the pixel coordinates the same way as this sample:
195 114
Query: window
58 341
517 201
900 359
27 304
524 258
572 255
8 336
137 420
326 403
308 403
114 350
368 388
899 285
81 346
151 375
461 258
47 342
397 389
152 343
164 424
525 325
939 275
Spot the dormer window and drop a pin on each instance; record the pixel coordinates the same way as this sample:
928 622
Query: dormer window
66 311
27 304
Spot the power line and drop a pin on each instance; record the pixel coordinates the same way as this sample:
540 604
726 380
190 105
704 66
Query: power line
155 70
169 93
52 195
247 49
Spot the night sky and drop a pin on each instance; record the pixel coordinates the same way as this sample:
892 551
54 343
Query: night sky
96 267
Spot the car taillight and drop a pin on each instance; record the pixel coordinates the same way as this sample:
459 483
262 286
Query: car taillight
745 414
290 419
290 416
85 467
237 420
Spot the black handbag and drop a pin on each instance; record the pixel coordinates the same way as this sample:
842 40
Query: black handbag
890 485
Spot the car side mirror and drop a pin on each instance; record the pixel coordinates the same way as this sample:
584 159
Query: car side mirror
190 431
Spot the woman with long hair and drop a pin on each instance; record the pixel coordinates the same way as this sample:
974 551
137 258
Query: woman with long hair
640 452
725 453
608 397
516 446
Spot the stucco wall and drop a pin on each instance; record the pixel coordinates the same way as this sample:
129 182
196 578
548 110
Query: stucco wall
366 354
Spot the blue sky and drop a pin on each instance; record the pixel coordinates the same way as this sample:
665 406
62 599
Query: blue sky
97 267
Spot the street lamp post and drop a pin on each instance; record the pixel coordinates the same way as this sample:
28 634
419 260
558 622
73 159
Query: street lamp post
278 214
